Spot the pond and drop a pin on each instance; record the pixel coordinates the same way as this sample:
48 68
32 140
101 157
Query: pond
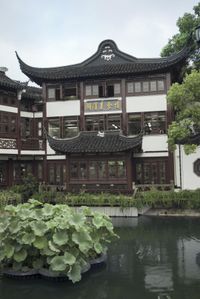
155 258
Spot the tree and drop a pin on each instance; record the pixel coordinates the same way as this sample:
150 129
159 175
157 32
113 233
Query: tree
186 34
185 99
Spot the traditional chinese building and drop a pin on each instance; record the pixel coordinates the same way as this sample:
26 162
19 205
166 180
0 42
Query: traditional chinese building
106 119
21 141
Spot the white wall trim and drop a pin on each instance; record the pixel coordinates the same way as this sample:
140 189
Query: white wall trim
31 114
9 151
152 154
29 152
56 157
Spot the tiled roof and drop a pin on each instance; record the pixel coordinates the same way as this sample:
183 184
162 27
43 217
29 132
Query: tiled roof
32 92
6 82
94 142
105 63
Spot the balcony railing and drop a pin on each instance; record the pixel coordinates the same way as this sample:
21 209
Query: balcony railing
7 143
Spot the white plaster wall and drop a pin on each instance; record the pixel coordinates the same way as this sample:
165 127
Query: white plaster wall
49 150
8 109
63 108
189 179
146 103
155 143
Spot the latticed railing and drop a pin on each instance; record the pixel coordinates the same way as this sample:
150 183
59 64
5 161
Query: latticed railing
6 143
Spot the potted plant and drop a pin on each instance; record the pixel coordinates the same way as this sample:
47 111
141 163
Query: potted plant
52 240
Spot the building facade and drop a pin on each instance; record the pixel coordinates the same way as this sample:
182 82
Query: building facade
105 122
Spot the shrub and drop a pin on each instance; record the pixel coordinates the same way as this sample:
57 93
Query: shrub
28 187
54 237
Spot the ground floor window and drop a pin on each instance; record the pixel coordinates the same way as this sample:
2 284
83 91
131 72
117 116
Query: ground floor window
152 172
56 173
97 170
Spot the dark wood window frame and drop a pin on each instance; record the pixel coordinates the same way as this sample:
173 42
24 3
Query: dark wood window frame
148 83
152 171
149 129
104 89
102 122
8 124
97 177
61 123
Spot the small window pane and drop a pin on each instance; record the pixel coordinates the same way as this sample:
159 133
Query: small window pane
137 86
51 93
116 88
112 169
88 90
74 170
160 85
130 87
54 127
95 90
102 169
134 124
145 86
121 169
92 169
153 85
83 170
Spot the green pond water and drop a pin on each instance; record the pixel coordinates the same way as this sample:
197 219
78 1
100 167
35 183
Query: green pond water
156 258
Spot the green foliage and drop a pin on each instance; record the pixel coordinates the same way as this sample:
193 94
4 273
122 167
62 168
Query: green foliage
28 187
185 98
9 197
186 26
54 237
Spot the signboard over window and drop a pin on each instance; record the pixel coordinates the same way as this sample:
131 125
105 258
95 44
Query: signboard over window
102 105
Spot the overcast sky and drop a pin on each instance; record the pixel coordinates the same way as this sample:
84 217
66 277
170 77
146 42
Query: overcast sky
48 33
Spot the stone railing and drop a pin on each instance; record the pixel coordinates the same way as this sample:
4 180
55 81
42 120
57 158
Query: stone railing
6 143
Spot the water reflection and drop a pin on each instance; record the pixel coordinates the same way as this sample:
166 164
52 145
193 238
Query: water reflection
155 258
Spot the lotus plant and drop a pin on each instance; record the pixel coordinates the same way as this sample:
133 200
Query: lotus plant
52 238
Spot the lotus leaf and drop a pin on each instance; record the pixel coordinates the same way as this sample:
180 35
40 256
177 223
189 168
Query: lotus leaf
75 273
37 214
2 254
60 238
53 247
98 220
58 263
77 220
38 263
48 210
28 238
24 213
98 248
9 250
39 228
46 251
83 239
69 258
14 226
40 242
20 256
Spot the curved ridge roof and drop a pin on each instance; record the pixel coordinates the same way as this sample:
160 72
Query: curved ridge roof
94 142
6 82
107 61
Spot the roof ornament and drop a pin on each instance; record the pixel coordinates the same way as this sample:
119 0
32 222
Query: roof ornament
108 54
101 134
